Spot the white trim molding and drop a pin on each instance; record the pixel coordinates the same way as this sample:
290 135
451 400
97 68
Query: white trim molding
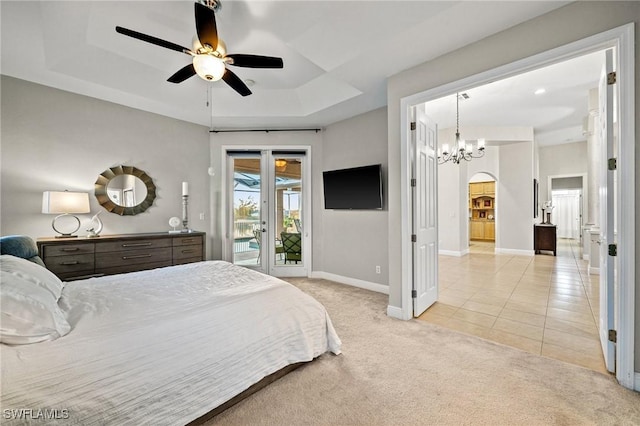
453 253
515 252
395 312
354 282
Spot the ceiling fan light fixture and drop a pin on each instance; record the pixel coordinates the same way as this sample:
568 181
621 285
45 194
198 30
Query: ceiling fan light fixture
208 67
222 48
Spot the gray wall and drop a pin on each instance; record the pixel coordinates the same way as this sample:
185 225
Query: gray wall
562 160
56 140
558 160
514 197
453 209
355 242
573 22
345 243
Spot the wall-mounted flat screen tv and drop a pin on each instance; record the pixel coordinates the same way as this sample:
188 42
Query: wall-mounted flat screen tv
358 188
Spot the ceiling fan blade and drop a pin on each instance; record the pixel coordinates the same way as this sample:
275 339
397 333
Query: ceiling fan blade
153 40
206 26
182 74
236 84
255 61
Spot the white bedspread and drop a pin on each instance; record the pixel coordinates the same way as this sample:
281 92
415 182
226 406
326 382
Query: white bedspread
162 347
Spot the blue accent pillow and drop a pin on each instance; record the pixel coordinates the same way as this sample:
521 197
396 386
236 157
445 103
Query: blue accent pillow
20 246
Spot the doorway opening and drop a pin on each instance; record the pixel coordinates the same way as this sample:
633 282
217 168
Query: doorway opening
568 198
620 39
483 205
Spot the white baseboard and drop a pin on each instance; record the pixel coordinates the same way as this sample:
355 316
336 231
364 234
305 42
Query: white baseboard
515 252
636 385
367 285
594 271
395 312
453 253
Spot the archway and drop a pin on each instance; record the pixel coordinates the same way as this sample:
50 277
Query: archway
482 212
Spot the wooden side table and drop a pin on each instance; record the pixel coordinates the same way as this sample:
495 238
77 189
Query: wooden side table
544 238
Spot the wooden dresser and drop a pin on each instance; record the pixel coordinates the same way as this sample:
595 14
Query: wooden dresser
544 238
77 258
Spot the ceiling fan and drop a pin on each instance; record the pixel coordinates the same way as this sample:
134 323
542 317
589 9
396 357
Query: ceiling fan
209 52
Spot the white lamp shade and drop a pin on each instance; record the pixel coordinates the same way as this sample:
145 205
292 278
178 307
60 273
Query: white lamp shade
208 67
58 202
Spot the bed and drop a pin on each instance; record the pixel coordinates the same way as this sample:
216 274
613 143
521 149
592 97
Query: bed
166 346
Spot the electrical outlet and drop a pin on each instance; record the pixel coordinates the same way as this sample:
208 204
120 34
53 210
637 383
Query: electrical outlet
377 269
201 216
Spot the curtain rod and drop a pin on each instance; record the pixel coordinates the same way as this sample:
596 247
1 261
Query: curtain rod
264 130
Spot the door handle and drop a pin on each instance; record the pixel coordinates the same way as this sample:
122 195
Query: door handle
264 229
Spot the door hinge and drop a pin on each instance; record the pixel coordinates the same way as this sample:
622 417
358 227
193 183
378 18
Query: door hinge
414 182
611 78
414 294
413 125
613 249
612 163
413 238
613 336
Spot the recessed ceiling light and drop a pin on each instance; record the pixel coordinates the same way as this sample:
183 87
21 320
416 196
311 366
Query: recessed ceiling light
539 91
249 82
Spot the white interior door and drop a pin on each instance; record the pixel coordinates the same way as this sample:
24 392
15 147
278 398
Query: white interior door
425 229
269 221
607 217
567 212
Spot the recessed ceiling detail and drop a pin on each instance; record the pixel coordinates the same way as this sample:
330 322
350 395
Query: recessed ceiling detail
337 55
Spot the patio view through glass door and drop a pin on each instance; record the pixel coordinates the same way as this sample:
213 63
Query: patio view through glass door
267 212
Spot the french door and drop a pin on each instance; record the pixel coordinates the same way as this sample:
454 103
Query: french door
608 217
268 211
425 221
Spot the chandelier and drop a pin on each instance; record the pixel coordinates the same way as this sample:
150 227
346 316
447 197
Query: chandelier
461 150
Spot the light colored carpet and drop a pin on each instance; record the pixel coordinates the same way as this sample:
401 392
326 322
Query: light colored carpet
394 372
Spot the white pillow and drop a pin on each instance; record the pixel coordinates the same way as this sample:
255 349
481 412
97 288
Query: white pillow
29 313
32 272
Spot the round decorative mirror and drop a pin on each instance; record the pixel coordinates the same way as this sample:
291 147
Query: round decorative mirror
125 190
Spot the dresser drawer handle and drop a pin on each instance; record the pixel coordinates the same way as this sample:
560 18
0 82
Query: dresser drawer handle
187 240
70 262
136 245
188 251
137 256
70 249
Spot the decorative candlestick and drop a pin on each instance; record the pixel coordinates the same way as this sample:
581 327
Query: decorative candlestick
185 207
185 214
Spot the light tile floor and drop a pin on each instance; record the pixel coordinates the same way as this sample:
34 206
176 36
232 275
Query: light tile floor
543 304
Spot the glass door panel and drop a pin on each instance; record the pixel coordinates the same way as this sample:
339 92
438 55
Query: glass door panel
247 218
288 205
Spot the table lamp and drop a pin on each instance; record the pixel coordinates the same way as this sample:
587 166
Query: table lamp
65 204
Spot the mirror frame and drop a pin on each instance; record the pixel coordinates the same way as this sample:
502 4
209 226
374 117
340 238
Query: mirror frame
110 206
